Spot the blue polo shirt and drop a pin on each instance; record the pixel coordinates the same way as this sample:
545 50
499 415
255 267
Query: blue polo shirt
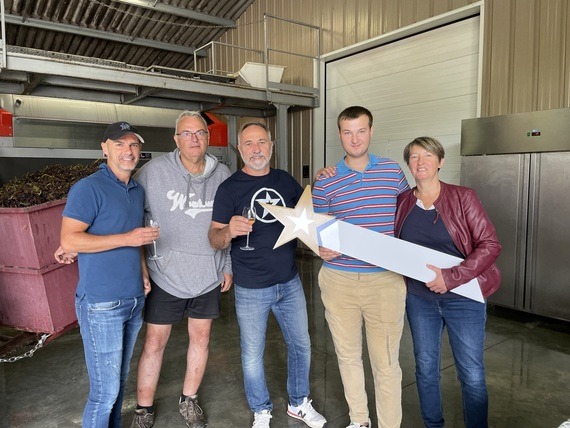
366 199
108 206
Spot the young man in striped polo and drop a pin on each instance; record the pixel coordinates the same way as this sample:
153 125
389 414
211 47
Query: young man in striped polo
363 192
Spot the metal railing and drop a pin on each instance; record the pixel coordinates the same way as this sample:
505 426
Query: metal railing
214 50
218 58
313 57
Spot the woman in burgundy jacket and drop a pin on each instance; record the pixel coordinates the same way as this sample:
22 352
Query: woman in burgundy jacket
452 220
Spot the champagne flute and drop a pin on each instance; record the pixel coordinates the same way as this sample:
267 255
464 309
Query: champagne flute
249 213
154 255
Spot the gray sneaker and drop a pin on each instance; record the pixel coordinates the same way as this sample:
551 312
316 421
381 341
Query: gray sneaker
142 419
192 413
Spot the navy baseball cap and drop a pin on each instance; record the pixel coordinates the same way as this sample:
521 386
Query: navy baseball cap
119 129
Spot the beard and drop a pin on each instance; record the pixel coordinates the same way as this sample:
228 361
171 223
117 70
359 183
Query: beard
258 164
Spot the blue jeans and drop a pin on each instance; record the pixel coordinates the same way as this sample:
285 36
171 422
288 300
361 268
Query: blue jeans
109 331
287 302
465 322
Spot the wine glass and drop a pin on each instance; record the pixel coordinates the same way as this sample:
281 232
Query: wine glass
249 213
154 255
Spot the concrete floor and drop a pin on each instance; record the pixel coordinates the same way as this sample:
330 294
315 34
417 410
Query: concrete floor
527 360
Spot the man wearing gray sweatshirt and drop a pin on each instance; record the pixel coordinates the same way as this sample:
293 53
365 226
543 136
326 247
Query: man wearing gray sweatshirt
188 279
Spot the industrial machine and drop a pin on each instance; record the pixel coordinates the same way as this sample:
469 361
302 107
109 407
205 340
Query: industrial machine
37 131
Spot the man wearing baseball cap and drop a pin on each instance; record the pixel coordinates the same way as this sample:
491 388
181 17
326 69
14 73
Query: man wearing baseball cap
102 223
119 129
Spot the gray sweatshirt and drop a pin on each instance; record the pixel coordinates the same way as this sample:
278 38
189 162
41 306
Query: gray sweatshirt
182 206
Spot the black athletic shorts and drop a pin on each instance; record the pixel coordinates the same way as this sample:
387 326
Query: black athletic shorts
164 308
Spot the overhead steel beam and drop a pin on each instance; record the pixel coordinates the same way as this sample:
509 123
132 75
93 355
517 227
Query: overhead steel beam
141 93
35 80
151 80
228 108
105 35
93 85
77 94
14 76
185 13
170 104
11 88
241 111
205 98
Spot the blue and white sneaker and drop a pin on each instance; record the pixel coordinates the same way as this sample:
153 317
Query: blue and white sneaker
306 413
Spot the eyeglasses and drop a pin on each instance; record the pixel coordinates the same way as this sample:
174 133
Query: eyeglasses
186 135
120 145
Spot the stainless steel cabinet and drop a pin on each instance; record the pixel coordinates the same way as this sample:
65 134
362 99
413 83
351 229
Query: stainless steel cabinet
548 258
526 197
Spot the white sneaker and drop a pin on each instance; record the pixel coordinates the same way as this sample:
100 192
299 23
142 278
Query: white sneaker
306 413
261 419
357 425
565 424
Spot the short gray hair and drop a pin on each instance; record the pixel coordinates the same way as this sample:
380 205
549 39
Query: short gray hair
248 124
190 113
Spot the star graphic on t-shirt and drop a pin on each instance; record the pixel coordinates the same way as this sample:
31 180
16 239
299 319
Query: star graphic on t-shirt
300 222
271 197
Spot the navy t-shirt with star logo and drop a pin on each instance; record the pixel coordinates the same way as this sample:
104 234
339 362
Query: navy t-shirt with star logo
264 266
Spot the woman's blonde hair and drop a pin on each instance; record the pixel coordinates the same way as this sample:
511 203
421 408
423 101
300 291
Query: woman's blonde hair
428 143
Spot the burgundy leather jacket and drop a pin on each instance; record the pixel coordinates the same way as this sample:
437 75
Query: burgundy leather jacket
471 231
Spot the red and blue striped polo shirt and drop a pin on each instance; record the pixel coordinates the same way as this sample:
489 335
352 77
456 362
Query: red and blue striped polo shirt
367 199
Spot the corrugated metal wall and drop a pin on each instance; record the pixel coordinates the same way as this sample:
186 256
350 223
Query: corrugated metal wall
526 65
527 56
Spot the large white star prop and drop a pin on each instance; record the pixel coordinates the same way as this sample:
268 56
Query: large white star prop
367 245
300 222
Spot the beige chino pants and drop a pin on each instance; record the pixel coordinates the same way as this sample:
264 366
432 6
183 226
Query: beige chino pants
378 301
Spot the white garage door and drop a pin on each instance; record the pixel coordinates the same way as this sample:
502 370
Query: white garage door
423 85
